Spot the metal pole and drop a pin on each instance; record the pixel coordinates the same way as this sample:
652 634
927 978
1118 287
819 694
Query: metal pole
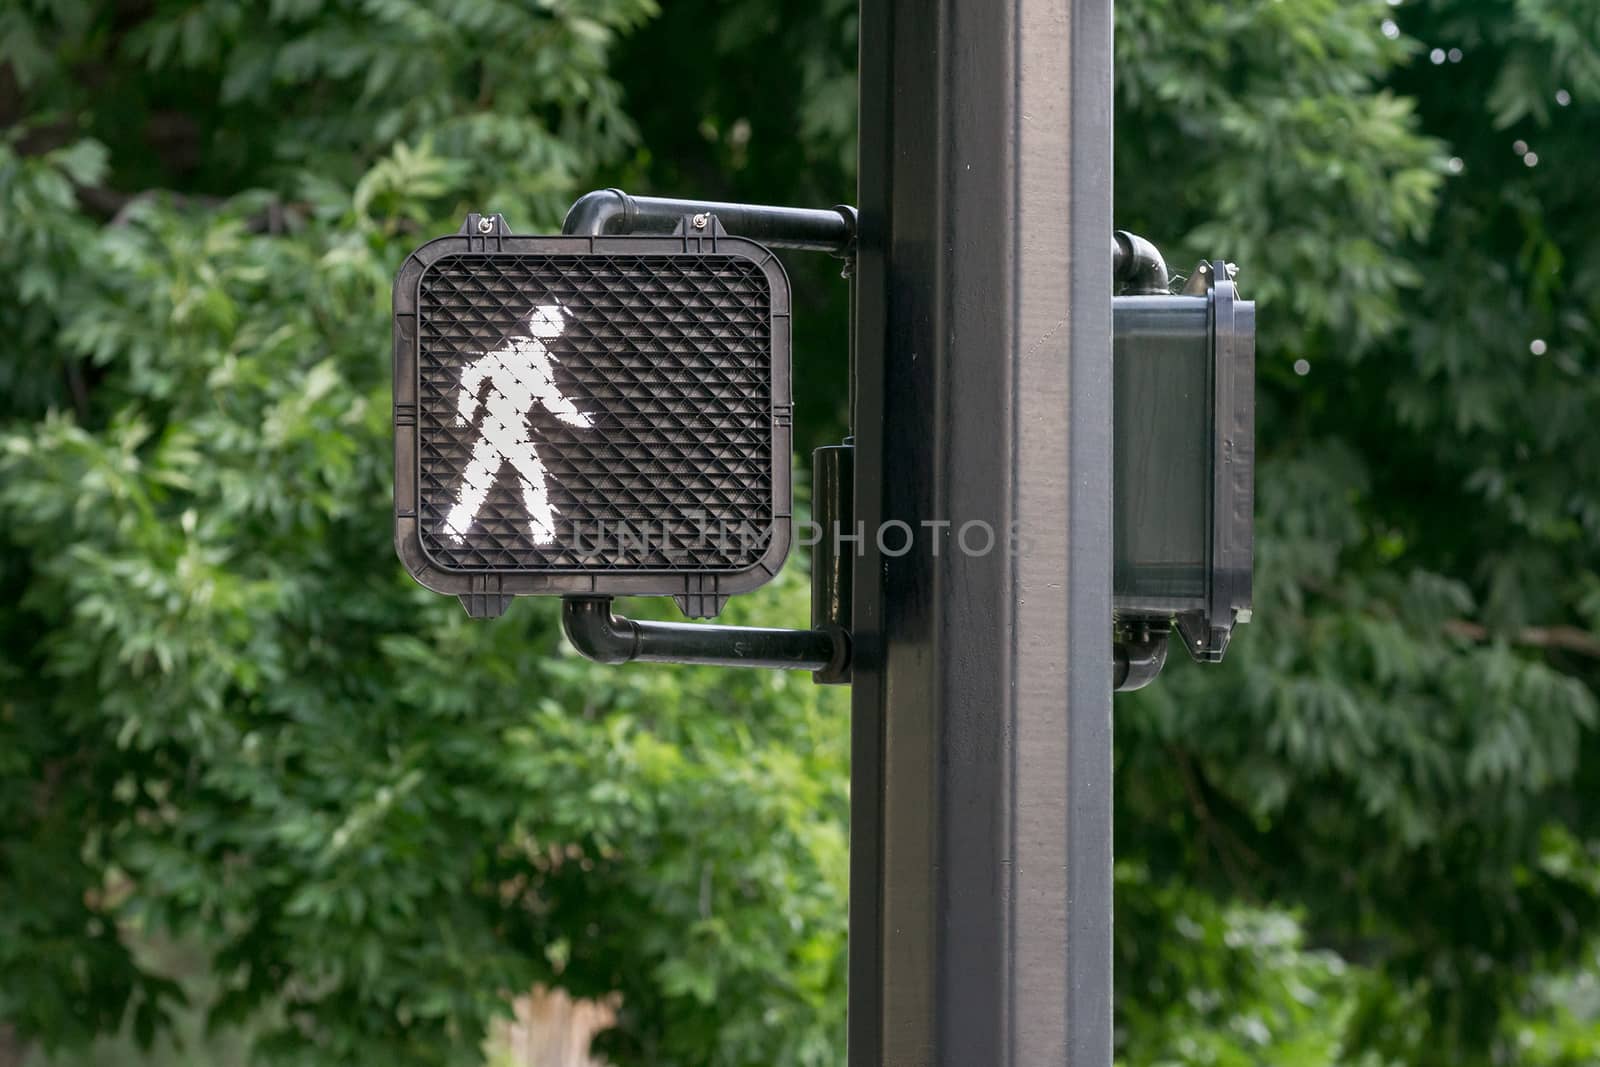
981 770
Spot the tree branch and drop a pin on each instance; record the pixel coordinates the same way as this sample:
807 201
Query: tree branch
1564 638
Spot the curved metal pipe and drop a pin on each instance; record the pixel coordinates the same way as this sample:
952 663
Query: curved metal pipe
606 638
1138 264
1135 262
1137 661
598 213
612 211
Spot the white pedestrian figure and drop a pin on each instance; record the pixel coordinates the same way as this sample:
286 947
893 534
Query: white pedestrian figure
520 376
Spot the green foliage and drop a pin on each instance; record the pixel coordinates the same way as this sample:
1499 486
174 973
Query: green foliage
1566 1030
761 110
1263 129
384 814
233 96
1235 987
225 713
1395 743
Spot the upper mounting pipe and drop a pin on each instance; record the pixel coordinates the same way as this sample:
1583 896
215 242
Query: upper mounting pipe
1138 265
610 211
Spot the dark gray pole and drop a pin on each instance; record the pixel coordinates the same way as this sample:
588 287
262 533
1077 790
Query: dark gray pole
980 926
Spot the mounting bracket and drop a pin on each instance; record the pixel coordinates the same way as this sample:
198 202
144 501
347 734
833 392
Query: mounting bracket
588 622
1137 267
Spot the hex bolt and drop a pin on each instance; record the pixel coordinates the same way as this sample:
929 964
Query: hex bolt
486 225
700 220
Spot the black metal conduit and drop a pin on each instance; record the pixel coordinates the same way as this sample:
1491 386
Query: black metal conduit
1137 660
1135 262
606 638
1137 265
612 211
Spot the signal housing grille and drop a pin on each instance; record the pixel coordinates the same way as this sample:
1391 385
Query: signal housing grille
678 357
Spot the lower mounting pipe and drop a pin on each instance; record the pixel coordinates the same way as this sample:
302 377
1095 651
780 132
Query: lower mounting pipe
607 638
1137 660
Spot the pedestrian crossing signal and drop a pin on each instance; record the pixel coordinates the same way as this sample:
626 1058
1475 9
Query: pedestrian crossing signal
591 416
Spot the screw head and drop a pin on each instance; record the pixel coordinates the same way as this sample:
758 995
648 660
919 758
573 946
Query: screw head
486 224
701 220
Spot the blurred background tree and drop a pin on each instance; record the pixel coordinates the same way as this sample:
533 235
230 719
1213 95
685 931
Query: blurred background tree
226 716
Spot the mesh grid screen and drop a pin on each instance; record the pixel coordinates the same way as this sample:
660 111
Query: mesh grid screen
669 360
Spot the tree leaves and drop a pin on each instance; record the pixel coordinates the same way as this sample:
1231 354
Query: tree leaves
1397 731
224 711
377 814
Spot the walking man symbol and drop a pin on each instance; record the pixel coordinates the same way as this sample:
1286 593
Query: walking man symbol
520 378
